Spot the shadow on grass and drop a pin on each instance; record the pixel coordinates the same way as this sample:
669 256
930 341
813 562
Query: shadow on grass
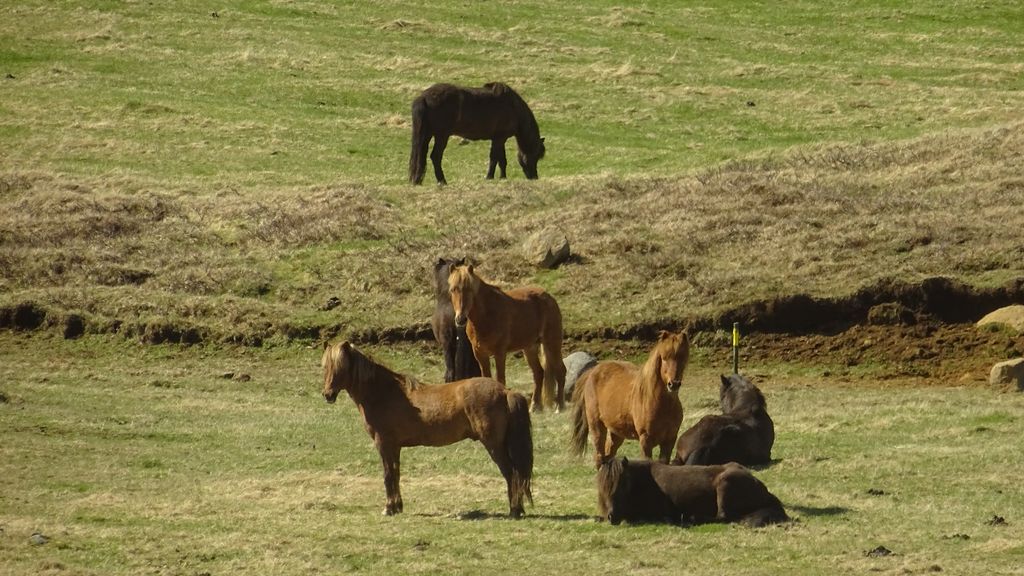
482 515
815 511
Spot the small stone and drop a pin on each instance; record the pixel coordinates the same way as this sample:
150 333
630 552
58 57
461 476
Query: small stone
879 551
242 377
38 539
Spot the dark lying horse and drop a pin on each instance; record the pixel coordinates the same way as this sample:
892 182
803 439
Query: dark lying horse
459 362
646 491
744 432
494 112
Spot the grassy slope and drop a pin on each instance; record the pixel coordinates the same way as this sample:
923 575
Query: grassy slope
143 459
226 174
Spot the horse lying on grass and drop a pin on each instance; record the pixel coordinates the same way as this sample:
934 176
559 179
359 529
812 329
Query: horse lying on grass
399 411
744 432
618 400
646 491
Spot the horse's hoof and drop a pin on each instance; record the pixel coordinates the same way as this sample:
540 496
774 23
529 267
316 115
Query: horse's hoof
536 408
516 513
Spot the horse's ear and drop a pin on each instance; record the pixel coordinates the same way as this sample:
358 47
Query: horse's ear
726 382
625 461
664 334
469 268
542 140
346 346
461 261
327 344
440 263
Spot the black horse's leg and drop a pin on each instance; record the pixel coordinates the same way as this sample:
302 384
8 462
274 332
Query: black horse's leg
497 158
440 142
450 345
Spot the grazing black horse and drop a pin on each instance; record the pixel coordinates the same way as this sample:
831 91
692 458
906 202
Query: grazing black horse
744 432
494 112
459 362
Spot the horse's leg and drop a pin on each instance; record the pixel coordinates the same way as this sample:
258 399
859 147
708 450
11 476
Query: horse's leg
390 456
497 158
440 142
646 444
484 361
533 359
599 436
499 365
499 454
449 344
554 368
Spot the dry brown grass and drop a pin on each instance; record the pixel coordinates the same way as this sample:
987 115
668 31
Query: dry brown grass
247 265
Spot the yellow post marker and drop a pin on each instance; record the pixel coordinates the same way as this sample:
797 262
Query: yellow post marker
735 347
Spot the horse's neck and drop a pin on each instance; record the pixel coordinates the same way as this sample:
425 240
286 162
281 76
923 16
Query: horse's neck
649 385
484 303
382 384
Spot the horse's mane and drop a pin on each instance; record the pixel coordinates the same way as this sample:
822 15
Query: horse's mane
530 127
364 374
743 395
609 475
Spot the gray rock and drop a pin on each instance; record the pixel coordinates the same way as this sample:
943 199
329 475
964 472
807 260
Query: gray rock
575 365
1008 372
38 539
547 248
1012 316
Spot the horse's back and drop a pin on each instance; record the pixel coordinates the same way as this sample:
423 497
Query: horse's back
473 113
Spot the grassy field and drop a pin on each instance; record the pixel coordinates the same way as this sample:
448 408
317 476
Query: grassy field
214 174
188 172
136 459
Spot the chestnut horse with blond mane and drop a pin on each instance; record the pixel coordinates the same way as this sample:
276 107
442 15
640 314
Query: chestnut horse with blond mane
618 400
398 411
499 321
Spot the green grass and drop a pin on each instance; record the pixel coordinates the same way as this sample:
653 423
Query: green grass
187 171
236 166
137 459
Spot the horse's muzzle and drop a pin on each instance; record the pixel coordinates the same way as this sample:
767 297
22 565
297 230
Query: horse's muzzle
461 320
674 386
330 397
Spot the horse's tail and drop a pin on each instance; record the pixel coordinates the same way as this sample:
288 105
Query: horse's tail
420 141
519 442
771 513
580 427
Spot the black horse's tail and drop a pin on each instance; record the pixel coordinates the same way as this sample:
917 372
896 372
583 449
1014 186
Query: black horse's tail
420 141
519 443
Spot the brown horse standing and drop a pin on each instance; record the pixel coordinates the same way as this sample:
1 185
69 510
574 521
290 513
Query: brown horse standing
498 322
494 112
459 362
617 400
399 411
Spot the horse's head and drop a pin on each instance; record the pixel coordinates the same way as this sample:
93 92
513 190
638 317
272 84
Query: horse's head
528 159
737 393
463 284
333 362
673 352
613 489
442 269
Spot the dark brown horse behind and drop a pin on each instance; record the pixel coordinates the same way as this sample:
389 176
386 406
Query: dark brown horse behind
495 112
646 491
398 411
459 362
744 432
